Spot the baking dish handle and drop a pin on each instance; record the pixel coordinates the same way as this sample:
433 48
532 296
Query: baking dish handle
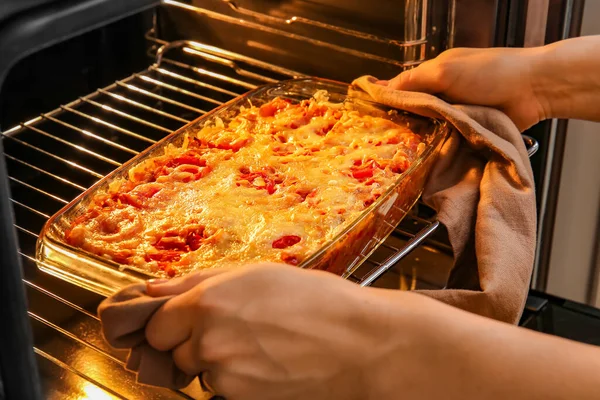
532 147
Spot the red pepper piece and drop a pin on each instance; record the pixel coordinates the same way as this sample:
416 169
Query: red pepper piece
372 200
325 130
186 159
363 173
231 145
304 193
122 257
286 241
274 106
269 182
148 192
194 239
171 243
130 199
164 256
167 268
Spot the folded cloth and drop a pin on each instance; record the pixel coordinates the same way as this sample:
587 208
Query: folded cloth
124 316
482 188
483 191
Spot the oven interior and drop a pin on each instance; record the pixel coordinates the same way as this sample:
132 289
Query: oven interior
158 69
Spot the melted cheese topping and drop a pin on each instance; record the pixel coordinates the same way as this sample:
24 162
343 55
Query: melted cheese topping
274 184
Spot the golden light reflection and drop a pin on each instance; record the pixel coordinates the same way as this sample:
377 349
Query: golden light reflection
93 392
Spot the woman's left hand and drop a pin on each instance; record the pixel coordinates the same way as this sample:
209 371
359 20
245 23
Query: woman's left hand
269 331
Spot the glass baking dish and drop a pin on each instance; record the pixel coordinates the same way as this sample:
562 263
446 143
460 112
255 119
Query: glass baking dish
341 256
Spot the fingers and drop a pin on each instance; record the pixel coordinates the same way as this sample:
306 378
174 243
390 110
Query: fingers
187 357
430 77
179 285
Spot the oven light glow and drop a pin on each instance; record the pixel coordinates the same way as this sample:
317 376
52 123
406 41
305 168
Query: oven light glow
93 392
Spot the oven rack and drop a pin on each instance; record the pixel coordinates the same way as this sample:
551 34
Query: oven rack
57 155
405 53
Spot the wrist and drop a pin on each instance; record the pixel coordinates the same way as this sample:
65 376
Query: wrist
542 80
400 327
565 78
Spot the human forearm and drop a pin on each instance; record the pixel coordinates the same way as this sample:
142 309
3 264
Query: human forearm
566 78
443 352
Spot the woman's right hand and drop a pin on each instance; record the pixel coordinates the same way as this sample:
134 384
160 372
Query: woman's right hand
499 77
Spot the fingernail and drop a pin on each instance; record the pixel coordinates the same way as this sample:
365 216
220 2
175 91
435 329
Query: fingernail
154 282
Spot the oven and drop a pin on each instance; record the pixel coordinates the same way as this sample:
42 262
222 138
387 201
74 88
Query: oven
86 85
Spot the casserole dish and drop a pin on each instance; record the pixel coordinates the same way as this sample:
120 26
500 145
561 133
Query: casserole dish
352 243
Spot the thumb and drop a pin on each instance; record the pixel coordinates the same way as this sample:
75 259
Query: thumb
159 288
425 78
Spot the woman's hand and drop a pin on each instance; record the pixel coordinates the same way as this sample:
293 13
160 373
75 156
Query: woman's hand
280 332
500 77
559 80
269 331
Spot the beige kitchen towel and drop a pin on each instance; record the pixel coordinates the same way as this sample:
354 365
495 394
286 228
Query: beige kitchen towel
483 190
124 316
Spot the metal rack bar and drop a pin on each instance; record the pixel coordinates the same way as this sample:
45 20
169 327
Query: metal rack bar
44 172
67 143
42 151
33 210
190 80
188 47
179 90
159 97
27 185
412 244
125 115
67 367
112 126
264 28
207 49
205 72
143 106
338 29
55 297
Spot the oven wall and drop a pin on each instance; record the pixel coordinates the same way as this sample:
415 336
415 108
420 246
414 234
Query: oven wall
57 75
574 264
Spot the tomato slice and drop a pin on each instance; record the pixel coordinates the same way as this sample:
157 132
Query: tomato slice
286 241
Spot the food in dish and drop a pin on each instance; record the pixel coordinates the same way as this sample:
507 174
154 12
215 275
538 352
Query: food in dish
275 183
